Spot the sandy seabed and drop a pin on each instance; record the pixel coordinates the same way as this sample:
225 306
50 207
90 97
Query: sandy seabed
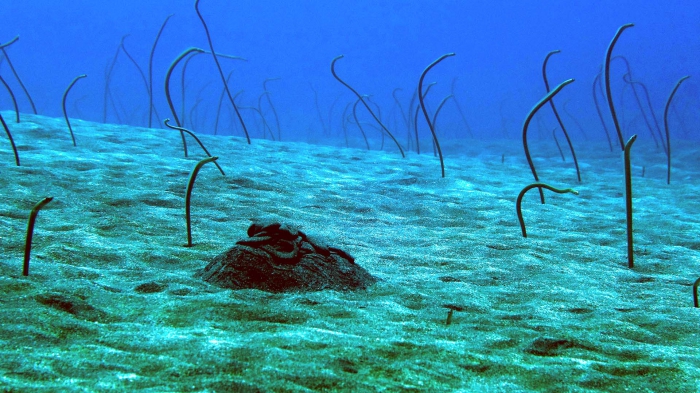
112 304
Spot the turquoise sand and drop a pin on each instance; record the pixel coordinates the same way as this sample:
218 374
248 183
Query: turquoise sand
112 304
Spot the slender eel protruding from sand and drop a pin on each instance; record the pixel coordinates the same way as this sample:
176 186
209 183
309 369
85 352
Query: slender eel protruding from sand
556 141
274 111
527 124
12 96
30 233
354 115
597 108
221 72
12 67
181 129
540 186
403 114
415 116
108 79
628 201
151 107
409 111
63 103
439 108
183 73
365 104
9 136
608 92
668 134
627 77
265 125
344 123
218 108
653 114
437 111
8 43
167 89
459 109
188 196
318 110
425 111
556 113
582 130
135 63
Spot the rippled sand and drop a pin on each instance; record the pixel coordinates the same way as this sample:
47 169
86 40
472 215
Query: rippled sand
111 303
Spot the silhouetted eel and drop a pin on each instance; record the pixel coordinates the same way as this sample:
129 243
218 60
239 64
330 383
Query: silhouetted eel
134 62
63 102
459 108
668 134
218 108
364 103
193 110
188 196
354 115
274 111
167 124
221 72
167 89
318 110
330 115
608 92
12 95
415 116
403 116
627 78
30 233
8 43
265 93
9 62
540 186
409 111
151 108
439 108
425 111
143 75
556 141
628 200
695 293
527 123
182 79
556 113
437 111
344 121
265 125
379 115
573 118
12 141
108 78
597 108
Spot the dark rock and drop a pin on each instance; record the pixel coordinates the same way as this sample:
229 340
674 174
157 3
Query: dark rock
150 287
277 257
545 346
346 365
476 367
72 305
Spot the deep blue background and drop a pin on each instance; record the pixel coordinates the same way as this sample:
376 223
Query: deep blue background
500 46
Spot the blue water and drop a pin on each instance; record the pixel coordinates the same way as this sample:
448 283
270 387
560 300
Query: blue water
499 46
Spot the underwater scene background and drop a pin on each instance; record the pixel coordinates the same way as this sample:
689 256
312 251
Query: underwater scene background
499 49
113 299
